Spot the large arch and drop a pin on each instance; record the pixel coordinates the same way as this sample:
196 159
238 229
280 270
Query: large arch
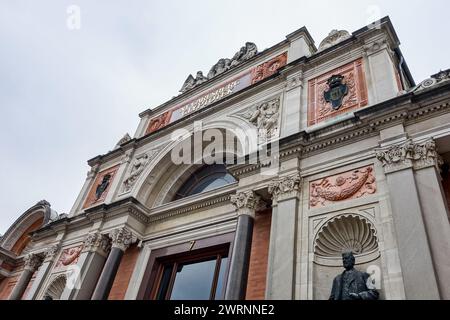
163 178
17 236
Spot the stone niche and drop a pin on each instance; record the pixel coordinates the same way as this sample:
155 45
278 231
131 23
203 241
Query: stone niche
344 233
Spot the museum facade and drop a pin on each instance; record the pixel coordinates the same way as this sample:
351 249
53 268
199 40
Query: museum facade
252 182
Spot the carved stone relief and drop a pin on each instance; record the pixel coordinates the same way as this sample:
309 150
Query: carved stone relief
408 154
285 187
268 68
349 185
69 256
333 38
265 117
353 77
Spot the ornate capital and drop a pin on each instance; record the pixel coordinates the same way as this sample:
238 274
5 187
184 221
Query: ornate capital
33 262
285 187
408 155
122 238
246 202
97 242
51 252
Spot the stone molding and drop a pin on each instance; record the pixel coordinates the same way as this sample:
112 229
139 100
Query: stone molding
246 202
122 238
285 188
408 155
97 242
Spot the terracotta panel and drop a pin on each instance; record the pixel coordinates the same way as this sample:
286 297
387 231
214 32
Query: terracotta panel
91 199
344 186
69 257
319 110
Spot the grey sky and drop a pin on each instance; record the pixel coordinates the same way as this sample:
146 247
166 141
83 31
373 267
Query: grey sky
69 95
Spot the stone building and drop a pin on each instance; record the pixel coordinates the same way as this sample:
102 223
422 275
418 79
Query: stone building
350 154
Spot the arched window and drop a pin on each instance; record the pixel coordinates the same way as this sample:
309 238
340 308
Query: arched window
205 179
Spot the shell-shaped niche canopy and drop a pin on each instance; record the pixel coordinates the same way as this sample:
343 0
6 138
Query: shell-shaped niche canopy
345 234
56 288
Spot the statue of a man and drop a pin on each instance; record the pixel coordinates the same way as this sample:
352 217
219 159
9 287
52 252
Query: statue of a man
352 284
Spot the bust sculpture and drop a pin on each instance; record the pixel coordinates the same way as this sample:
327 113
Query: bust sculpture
352 284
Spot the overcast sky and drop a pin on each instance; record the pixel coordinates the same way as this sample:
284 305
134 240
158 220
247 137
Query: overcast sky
67 95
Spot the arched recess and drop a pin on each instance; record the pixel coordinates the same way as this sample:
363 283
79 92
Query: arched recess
343 233
17 236
56 288
163 178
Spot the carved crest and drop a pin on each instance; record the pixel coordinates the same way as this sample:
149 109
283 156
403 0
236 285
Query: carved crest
336 92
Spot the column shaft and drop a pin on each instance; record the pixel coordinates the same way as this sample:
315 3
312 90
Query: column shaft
21 285
240 259
108 275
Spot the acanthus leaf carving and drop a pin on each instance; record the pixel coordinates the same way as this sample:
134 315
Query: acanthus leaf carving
122 238
51 252
408 154
97 242
285 187
246 202
33 261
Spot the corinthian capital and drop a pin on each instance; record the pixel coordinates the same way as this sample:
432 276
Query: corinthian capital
33 261
122 238
246 202
51 252
407 155
97 242
285 187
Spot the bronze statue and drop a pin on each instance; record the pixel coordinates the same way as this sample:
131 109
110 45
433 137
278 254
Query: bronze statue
352 284
101 188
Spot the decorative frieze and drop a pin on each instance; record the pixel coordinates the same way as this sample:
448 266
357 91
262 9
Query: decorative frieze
122 238
345 186
246 202
33 261
407 155
97 242
285 187
268 68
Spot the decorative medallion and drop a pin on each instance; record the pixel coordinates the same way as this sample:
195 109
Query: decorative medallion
349 185
321 109
336 92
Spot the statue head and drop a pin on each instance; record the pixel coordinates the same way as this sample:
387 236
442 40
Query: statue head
348 260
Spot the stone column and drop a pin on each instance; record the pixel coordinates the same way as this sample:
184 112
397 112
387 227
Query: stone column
91 262
416 259
435 211
121 238
245 203
32 263
283 237
44 270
